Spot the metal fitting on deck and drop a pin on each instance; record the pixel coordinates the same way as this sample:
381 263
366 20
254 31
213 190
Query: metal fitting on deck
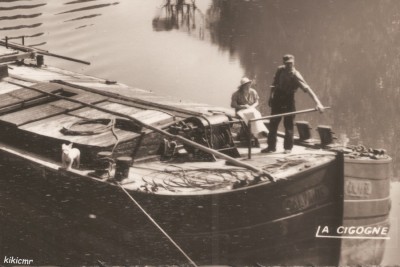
3 71
122 168
326 135
39 60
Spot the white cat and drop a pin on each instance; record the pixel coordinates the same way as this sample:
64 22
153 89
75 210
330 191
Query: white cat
69 155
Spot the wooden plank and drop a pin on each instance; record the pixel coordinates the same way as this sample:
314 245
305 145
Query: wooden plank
65 105
23 95
153 117
19 98
6 87
41 74
31 114
96 114
19 56
51 127
8 100
89 97
133 99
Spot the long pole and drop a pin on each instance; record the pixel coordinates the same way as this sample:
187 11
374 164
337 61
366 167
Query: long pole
40 51
288 114
260 172
276 116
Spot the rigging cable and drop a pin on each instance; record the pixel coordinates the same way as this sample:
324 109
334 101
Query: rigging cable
158 226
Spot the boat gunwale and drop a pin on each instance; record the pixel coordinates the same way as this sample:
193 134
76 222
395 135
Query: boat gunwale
267 183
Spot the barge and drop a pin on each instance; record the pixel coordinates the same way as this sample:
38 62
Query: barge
182 172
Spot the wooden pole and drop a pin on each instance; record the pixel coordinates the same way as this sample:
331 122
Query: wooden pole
218 154
62 57
249 139
40 51
288 114
277 116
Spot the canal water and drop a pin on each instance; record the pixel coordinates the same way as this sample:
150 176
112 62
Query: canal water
348 52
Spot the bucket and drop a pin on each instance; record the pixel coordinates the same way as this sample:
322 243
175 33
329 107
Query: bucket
122 168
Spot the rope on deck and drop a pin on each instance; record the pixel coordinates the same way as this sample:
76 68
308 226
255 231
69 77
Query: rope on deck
158 226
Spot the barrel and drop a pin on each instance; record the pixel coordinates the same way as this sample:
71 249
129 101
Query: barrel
122 168
366 188
366 204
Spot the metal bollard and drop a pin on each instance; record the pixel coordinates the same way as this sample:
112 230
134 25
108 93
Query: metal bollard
40 61
122 168
3 71
104 164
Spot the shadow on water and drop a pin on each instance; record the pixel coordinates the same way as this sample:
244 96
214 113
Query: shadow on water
351 61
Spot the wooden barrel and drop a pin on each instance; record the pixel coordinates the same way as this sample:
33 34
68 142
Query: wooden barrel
366 204
366 188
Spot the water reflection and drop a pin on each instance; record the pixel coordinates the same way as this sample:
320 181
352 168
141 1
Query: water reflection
179 14
350 61
20 16
86 7
19 7
78 1
84 17
18 25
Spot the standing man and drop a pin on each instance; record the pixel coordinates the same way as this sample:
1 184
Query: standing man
286 82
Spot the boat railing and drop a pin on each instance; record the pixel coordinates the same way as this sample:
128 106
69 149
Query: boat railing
250 136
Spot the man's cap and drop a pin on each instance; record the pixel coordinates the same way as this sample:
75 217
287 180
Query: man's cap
244 81
288 58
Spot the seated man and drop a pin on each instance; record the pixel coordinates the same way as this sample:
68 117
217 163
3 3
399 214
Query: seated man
245 101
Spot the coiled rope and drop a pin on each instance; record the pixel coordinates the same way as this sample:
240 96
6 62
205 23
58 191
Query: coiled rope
104 126
158 226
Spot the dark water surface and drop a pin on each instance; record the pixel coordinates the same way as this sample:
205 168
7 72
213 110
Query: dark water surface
348 51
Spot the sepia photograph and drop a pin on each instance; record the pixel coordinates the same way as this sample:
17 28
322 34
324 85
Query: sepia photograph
199 133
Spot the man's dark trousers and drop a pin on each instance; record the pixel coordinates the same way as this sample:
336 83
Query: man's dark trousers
288 122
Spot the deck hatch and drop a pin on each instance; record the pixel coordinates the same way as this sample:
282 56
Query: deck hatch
24 105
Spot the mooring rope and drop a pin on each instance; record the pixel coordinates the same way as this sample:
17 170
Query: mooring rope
158 226
115 135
